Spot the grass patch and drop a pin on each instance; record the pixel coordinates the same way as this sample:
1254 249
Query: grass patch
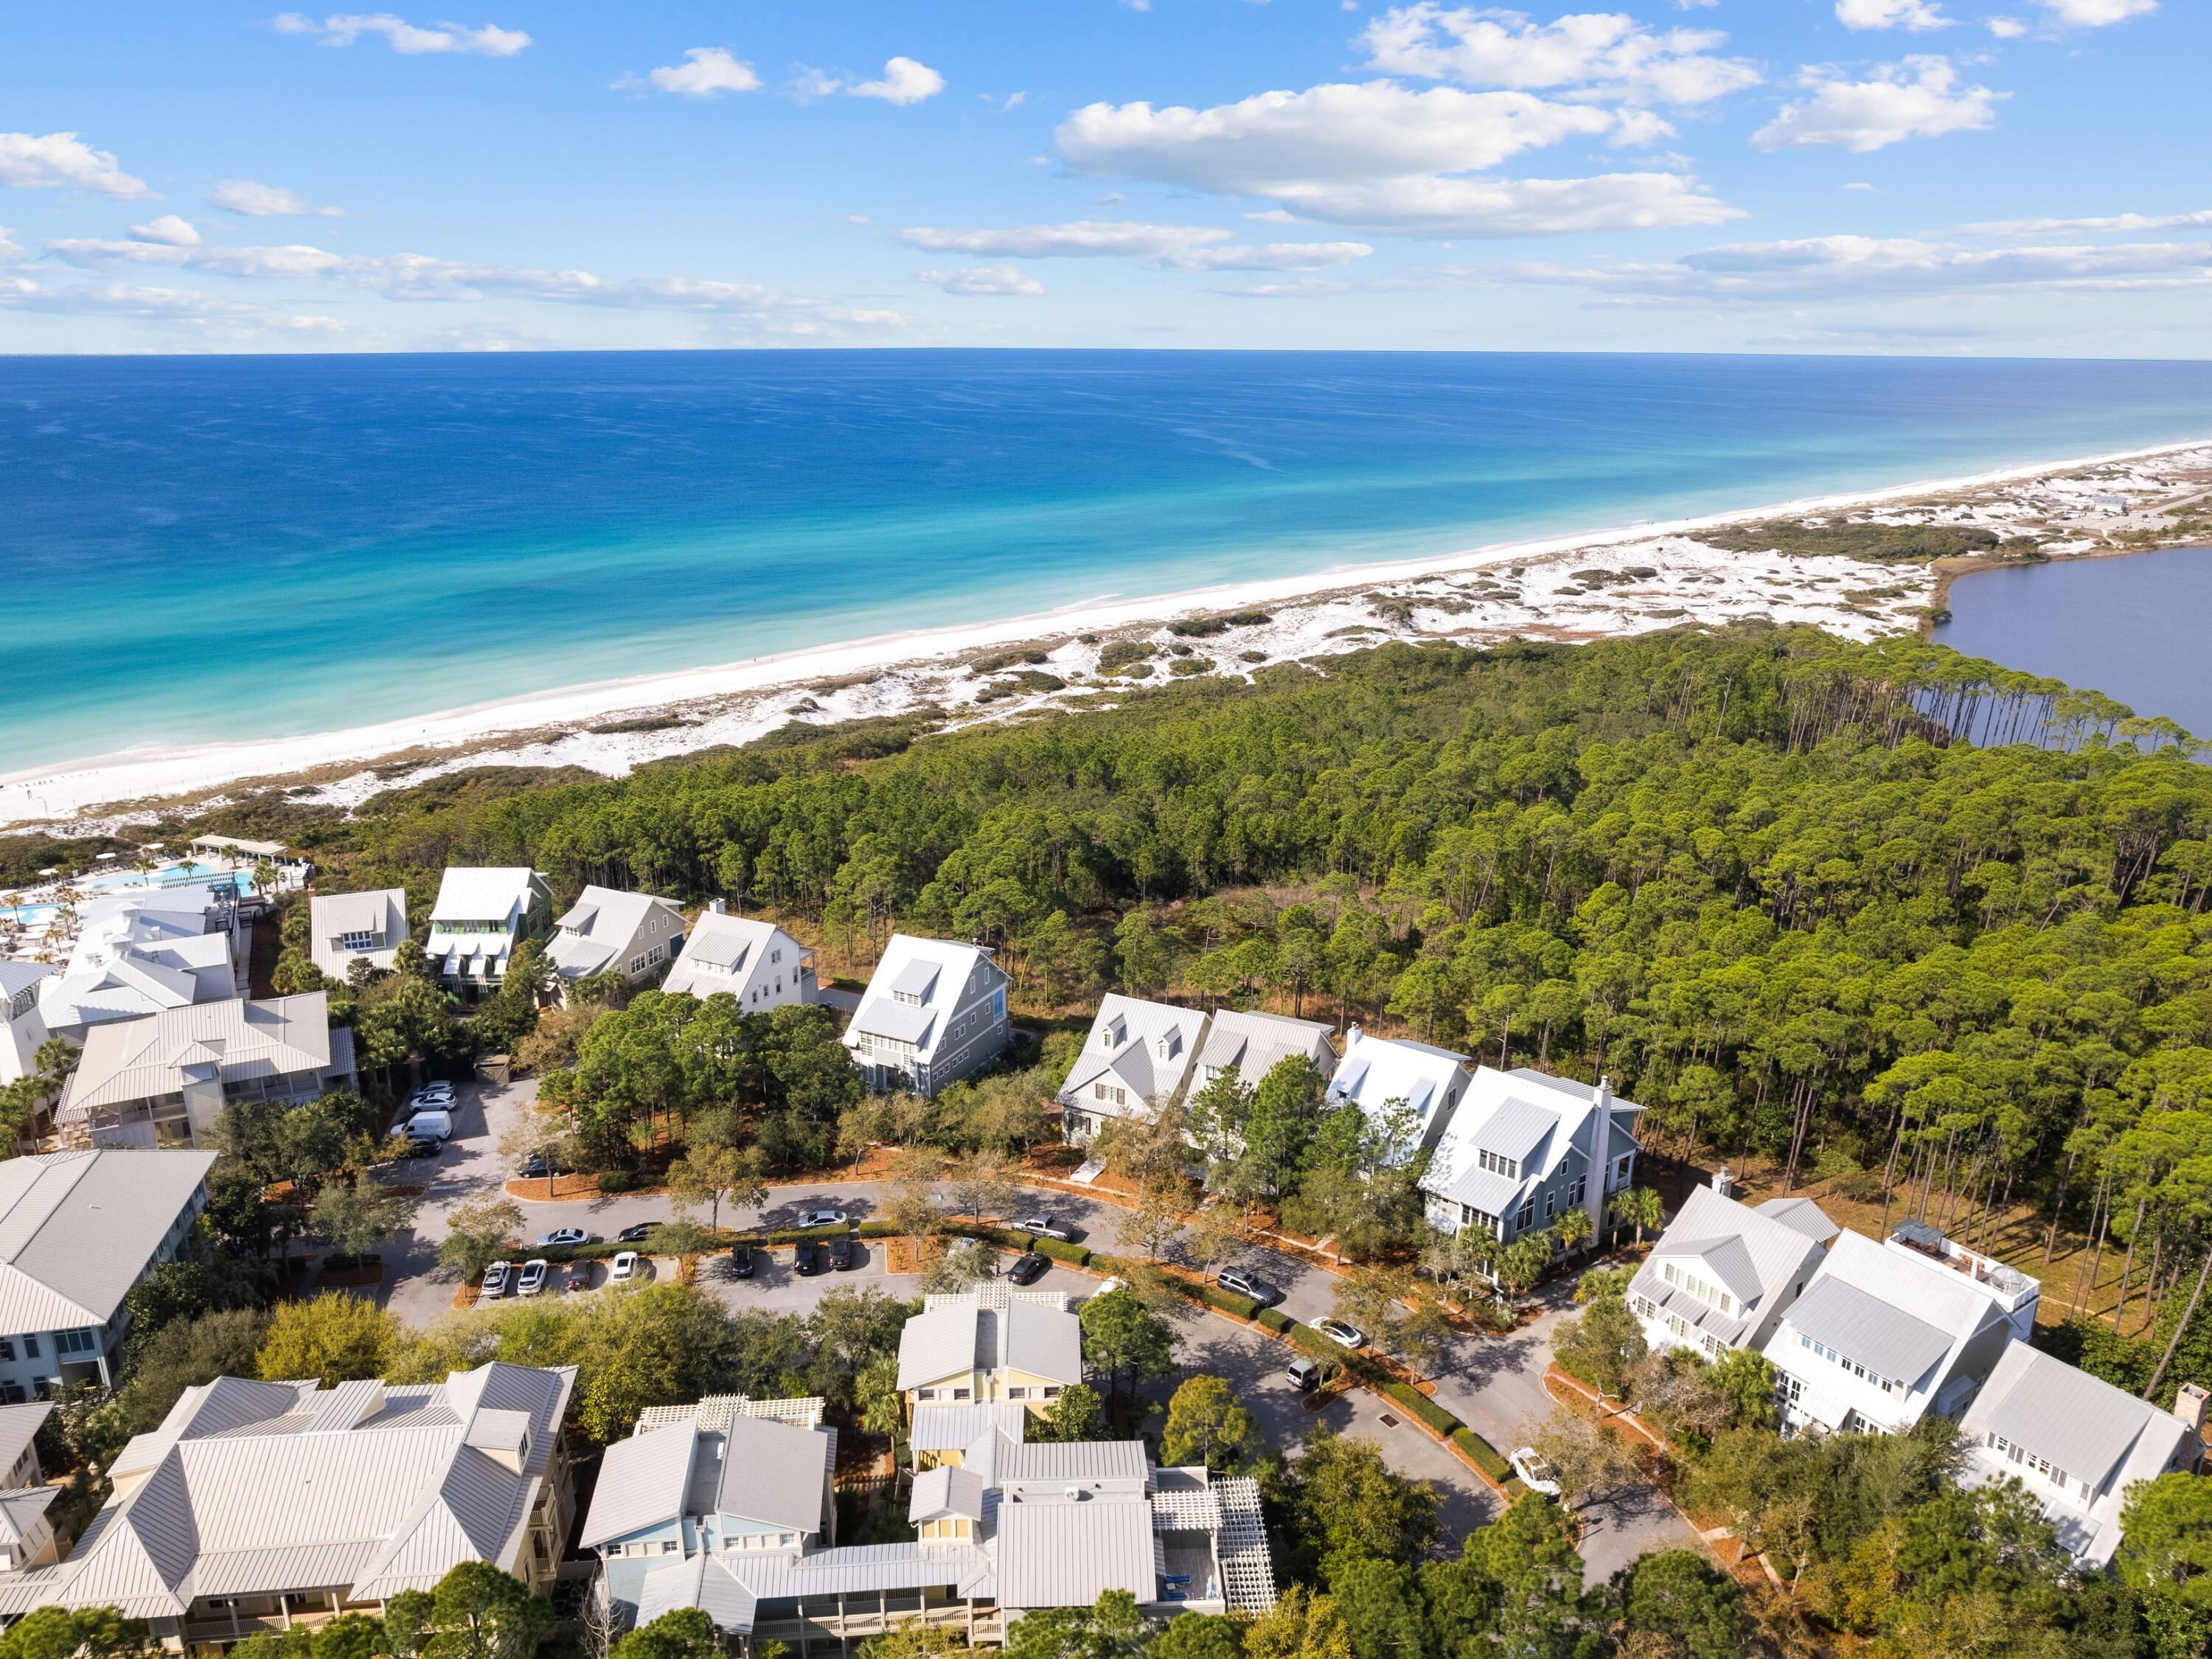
1201 628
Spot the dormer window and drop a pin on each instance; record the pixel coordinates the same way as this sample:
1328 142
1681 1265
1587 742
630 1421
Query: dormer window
359 941
1498 1164
1707 1292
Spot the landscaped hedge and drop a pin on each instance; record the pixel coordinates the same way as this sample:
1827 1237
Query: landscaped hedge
1075 1256
1484 1454
1238 1307
1272 1321
1439 1420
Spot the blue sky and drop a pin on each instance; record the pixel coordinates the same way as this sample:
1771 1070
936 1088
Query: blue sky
1933 176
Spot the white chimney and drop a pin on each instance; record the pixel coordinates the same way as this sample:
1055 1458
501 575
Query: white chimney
1350 1035
1601 1163
2188 1405
1723 1182
718 907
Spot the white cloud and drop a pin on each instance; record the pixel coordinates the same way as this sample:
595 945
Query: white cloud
61 160
154 305
420 276
2118 221
2006 28
1378 155
1171 247
706 72
344 29
904 82
168 229
257 201
1859 184
979 280
1597 55
1011 100
2095 13
1919 98
1891 14
9 248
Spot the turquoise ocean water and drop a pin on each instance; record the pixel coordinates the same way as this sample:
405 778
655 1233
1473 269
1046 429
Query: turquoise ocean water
206 549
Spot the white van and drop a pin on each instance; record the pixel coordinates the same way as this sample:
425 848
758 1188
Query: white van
428 1126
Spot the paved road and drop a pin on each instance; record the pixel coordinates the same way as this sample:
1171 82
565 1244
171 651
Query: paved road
1492 1383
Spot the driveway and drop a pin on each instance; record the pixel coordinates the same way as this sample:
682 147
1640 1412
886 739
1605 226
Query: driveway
1494 1384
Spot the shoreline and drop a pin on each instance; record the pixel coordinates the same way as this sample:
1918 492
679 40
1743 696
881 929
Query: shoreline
60 795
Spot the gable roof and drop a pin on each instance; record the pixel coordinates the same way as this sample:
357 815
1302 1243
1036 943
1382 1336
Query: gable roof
600 925
1891 1310
726 953
1757 1256
775 1472
1255 1043
18 1427
2081 1424
946 975
499 893
138 1059
956 1428
16 977
1123 1045
643 1482
55 1204
255 1488
1536 1120
962 1335
1375 1072
1802 1215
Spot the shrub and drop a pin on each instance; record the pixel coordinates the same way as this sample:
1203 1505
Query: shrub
1272 1321
1240 1307
1439 1420
617 1181
1190 665
1199 627
1073 1254
1484 1454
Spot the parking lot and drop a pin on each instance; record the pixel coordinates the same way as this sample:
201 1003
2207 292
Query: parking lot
1495 1384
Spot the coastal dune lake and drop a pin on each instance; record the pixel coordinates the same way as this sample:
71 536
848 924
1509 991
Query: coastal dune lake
2135 627
199 550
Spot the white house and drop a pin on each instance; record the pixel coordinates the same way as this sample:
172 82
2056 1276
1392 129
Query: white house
344 928
934 1012
77 1230
1255 1043
1379 1074
992 1344
259 1507
756 962
1722 1275
162 1081
1885 1333
481 915
1135 1060
24 1029
1524 1148
607 931
2074 1441
146 950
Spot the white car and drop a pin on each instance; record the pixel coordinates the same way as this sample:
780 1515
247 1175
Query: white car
821 1219
1535 1473
1344 1335
438 1095
561 1236
533 1276
1109 1286
495 1280
1041 1226
622 1268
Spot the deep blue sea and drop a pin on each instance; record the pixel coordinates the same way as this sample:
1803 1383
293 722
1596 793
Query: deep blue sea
210 547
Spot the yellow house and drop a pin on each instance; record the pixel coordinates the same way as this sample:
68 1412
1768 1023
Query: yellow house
989 1346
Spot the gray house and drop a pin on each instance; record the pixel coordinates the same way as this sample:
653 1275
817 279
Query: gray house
1523 1148
1135 1060
607 931
934 1012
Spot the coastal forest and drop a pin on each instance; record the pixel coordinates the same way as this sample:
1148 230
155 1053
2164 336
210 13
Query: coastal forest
1751 876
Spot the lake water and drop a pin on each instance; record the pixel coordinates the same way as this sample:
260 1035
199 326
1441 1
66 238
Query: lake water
198 549
2138 628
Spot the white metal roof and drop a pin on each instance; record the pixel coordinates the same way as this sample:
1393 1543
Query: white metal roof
643 1482
954 1428
726 953
78 1229
498 893
1145 1048
1254 1043
139 1058
2081 1423
1063 1553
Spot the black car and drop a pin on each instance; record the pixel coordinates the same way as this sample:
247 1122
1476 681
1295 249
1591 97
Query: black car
806 1261
1030 1269
539 1168
636 1235
741 1260
422 1149
842 1254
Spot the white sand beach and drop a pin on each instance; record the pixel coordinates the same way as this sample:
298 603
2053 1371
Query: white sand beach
1647 576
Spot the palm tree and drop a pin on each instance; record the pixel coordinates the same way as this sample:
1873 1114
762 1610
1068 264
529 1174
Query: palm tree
1642 1205
1574 1229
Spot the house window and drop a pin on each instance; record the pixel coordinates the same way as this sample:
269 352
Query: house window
1508 1167
69 1342
358 941
31 1347
1017 1392
1576 1188
960 1394
11 1393
1527 1215
1551 1204
1051 1393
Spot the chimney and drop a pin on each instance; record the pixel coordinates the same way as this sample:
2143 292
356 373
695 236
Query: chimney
2189 1406
1601 1163
1723 1182
1350 1035
718 907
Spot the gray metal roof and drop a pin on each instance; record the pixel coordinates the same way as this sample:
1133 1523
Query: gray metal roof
936 1343
643 1482
1132 1059
1056 1464
946 1491
1045 1342
901 1022
21 976
1058 1553
956 1428
1801 1215
18 1427
133 1060
1515 1130
2082 1423
1255 1043
726 953
774 1473
23 1512
1492 1195
56 1205
1878 1334
916 979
